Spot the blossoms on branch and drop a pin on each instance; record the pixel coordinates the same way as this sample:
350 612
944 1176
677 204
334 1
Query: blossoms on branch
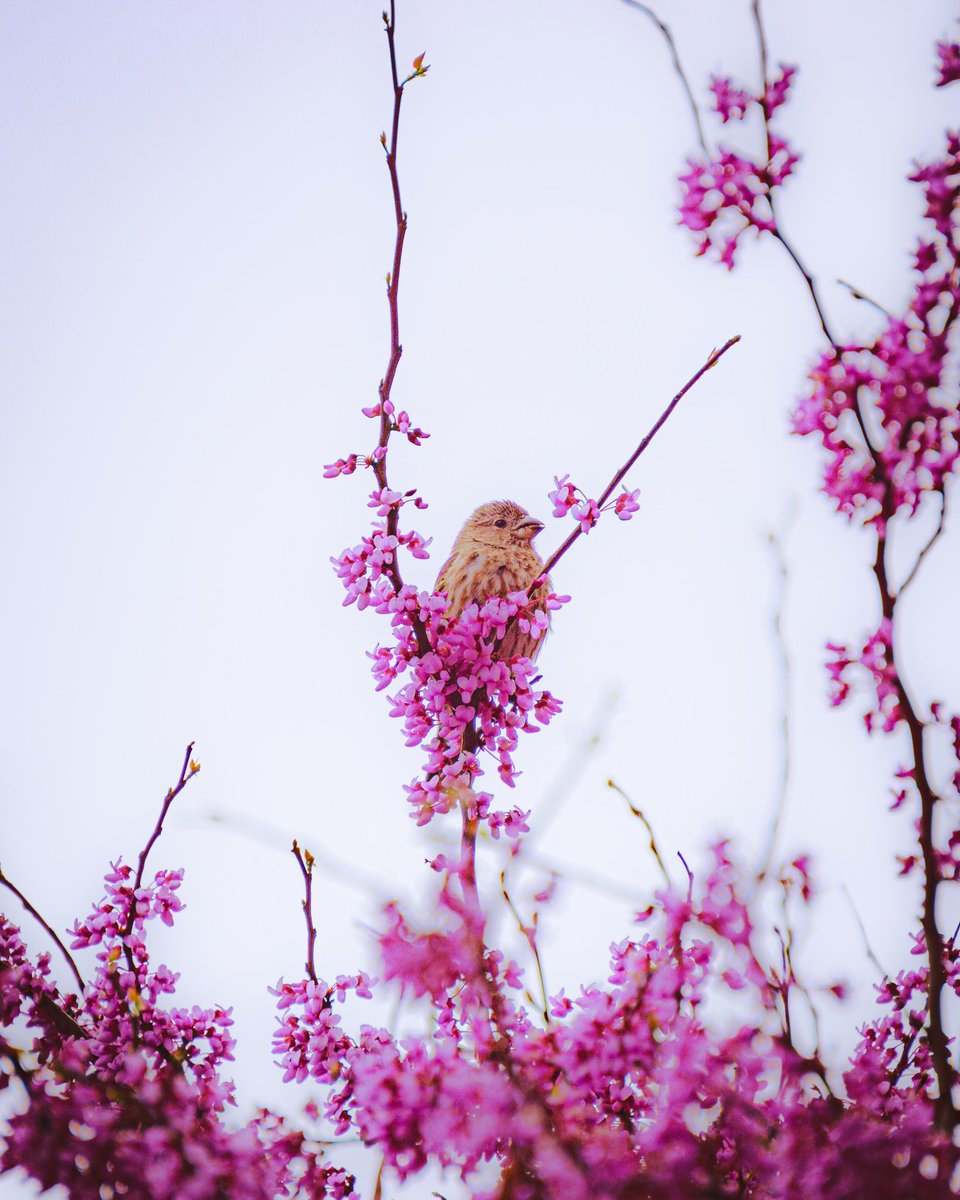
729 193
898 385
125 1092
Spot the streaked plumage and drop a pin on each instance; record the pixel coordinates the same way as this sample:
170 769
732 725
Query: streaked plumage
493 555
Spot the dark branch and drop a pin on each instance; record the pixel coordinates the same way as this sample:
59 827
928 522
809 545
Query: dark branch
50 931
711 362
928 547
685 82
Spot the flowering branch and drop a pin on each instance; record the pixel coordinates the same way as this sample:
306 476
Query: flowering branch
711 362
911 455
187 772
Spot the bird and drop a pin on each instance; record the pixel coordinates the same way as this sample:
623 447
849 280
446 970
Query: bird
493 555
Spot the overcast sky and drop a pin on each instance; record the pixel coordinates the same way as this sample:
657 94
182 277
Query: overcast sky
195 227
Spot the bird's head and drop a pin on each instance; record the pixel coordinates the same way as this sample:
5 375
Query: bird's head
502 523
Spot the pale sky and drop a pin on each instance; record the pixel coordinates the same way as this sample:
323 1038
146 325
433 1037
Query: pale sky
195 227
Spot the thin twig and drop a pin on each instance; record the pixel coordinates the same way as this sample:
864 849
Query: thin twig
689 877
856 293
305 862
777 230
393 303
49 929
529 932
638 813
187 772
928 547
570 770
863 933
678 68
711 362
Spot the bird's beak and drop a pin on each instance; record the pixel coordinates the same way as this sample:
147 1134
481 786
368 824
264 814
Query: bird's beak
531 524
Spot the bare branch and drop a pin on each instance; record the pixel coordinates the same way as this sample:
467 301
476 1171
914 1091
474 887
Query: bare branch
858 295
711 362
928 547
305 862
685 82
649 828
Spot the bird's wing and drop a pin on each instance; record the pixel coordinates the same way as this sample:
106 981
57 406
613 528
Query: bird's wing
443 583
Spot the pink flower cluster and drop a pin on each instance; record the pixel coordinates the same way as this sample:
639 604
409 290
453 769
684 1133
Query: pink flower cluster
567 498
125 1095
633 1087
949 66
900 382
875 659
726 195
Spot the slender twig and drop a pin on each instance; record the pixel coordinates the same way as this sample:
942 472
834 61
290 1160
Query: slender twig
689 877
49 929
305 862
529 933
857 294
928 547
638 813
711 362
393 303
775 541
187 772
863 933
570 770
678 68
777 230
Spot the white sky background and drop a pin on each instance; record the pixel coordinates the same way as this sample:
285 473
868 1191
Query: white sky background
195 226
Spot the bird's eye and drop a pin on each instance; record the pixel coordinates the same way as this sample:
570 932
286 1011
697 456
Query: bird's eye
501 524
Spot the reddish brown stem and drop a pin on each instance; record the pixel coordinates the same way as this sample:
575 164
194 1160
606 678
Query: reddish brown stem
305 862
711 362
393 304
187 772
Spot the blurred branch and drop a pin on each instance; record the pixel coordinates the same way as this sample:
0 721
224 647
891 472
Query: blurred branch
649 828
928 547
572 769
530 934
678 68
775 541
863 932
858 295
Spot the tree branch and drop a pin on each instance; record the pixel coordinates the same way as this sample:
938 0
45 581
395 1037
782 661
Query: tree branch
49 929
305 862
711 362
678 68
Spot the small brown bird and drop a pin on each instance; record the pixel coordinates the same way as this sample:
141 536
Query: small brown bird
493 555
